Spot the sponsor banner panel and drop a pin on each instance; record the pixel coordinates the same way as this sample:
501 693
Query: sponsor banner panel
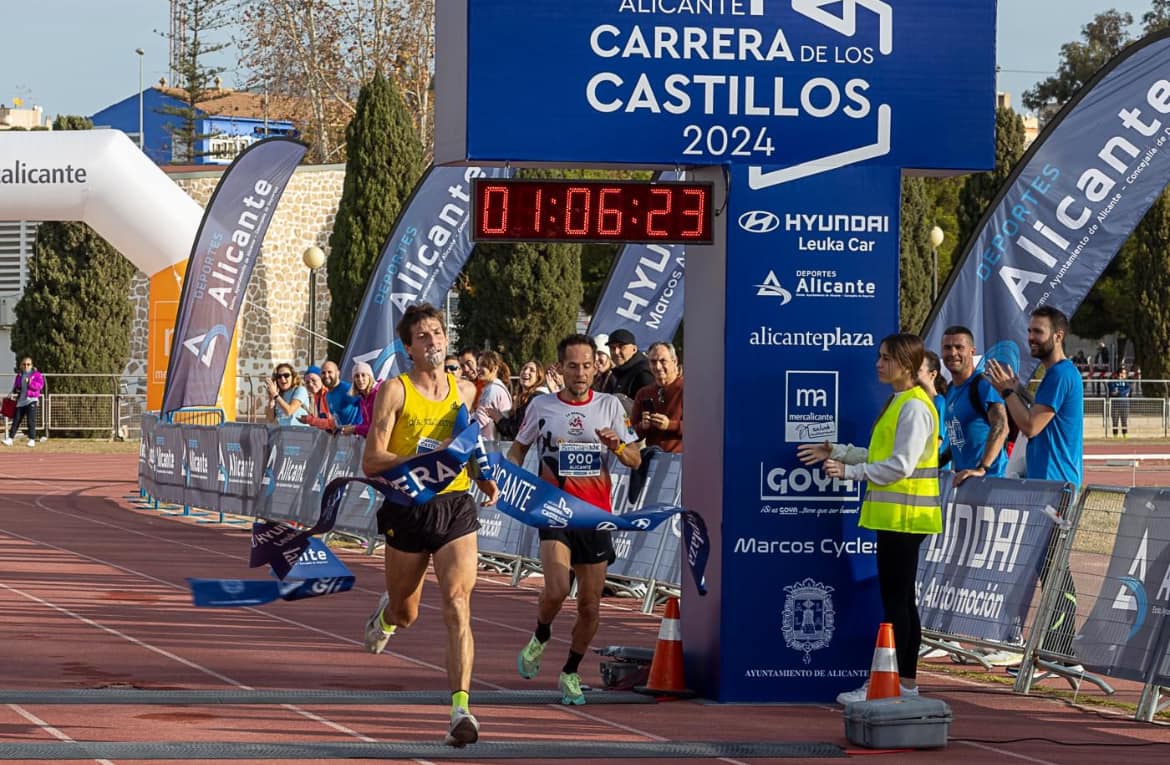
425 252
222 258
296 455
168 463
805 86
359 505
811 293
1073 200
243 454
1127 634
644 290
146 454
976 579
201 466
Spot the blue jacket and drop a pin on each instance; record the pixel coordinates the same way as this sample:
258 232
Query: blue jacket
343 406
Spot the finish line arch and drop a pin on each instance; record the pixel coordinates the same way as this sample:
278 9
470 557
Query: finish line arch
99 177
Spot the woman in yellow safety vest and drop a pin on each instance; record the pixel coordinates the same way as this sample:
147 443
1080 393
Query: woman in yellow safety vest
901 502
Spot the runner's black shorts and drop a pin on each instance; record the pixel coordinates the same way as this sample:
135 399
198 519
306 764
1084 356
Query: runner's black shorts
585 545
427 527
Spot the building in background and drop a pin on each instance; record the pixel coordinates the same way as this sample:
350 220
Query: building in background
230 121
16 116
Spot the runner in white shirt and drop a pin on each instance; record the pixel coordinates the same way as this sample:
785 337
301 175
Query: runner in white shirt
578 432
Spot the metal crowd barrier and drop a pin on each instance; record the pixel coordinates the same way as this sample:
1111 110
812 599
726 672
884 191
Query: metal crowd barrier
279 473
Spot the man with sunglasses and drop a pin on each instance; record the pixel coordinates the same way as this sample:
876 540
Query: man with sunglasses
415 413
26 391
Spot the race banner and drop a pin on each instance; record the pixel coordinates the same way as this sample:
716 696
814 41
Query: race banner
538 503
425 252
222 258
146 454
1127 634
1072 201
168 463
317 572
977 577
644 290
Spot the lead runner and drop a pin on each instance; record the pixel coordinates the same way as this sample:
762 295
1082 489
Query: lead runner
580 432
415 413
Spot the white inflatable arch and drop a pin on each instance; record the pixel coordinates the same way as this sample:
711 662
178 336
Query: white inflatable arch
99 177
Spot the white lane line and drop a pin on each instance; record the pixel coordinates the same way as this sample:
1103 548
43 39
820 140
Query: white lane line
57 734
1006 753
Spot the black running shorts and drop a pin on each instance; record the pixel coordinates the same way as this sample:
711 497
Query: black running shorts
427 527
585 545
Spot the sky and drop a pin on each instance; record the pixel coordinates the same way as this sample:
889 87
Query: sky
77 56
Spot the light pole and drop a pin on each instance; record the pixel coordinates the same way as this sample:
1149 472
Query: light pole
936 240
141 139
313 257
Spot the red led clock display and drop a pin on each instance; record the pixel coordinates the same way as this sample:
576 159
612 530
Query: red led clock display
507 210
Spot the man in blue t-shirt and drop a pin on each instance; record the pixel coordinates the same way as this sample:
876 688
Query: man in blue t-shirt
1054 426
1055 423
976 436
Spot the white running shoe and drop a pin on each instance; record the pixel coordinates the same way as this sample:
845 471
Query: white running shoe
908 691
849 697
31 443
464 729
375 637
8 442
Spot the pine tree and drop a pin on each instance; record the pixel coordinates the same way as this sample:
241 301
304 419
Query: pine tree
914 261
196 81
384 163
980 189
75 314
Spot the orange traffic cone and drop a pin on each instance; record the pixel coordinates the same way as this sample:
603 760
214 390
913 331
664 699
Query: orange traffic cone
883 672
666 670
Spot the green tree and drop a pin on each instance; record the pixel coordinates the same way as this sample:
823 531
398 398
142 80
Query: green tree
979 189
1148 291
914 260
597 262
75 314
196 81
520 299
1102 39
383 165
944 207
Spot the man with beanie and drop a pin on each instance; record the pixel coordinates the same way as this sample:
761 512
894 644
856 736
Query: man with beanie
631 370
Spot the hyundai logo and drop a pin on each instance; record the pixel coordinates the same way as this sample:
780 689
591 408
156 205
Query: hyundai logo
759 221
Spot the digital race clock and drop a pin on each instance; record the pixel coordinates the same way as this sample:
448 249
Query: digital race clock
511 210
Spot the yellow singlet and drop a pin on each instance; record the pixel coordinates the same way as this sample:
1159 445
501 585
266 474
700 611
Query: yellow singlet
424 424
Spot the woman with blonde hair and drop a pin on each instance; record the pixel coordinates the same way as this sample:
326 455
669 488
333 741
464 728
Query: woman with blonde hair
365 387
901 500
495 399
532 384
287 397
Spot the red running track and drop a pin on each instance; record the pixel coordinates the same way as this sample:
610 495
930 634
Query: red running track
93 595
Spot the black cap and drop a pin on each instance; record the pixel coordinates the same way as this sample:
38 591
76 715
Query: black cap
622 337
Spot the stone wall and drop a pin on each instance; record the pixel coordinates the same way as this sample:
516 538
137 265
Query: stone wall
275 316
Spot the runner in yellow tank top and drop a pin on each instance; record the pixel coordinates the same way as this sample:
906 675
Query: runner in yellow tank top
414 413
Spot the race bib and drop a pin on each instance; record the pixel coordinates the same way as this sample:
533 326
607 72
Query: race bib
579 460
428 445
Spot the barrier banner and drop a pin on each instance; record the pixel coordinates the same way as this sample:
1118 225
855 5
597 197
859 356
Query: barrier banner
1072 201
295 455
243 455
168 469
976 579
644 290
360 502
536 502
146 455
425 252
1127 634
415 481
222 258
201 466
317 572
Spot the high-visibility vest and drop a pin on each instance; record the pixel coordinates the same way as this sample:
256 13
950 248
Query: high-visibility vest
909 505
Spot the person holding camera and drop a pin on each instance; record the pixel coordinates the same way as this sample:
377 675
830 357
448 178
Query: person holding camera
658 407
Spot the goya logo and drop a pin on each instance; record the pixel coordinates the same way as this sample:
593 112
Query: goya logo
805 484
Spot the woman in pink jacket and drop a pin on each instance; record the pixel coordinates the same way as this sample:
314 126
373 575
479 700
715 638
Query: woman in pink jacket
365 388
26 392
